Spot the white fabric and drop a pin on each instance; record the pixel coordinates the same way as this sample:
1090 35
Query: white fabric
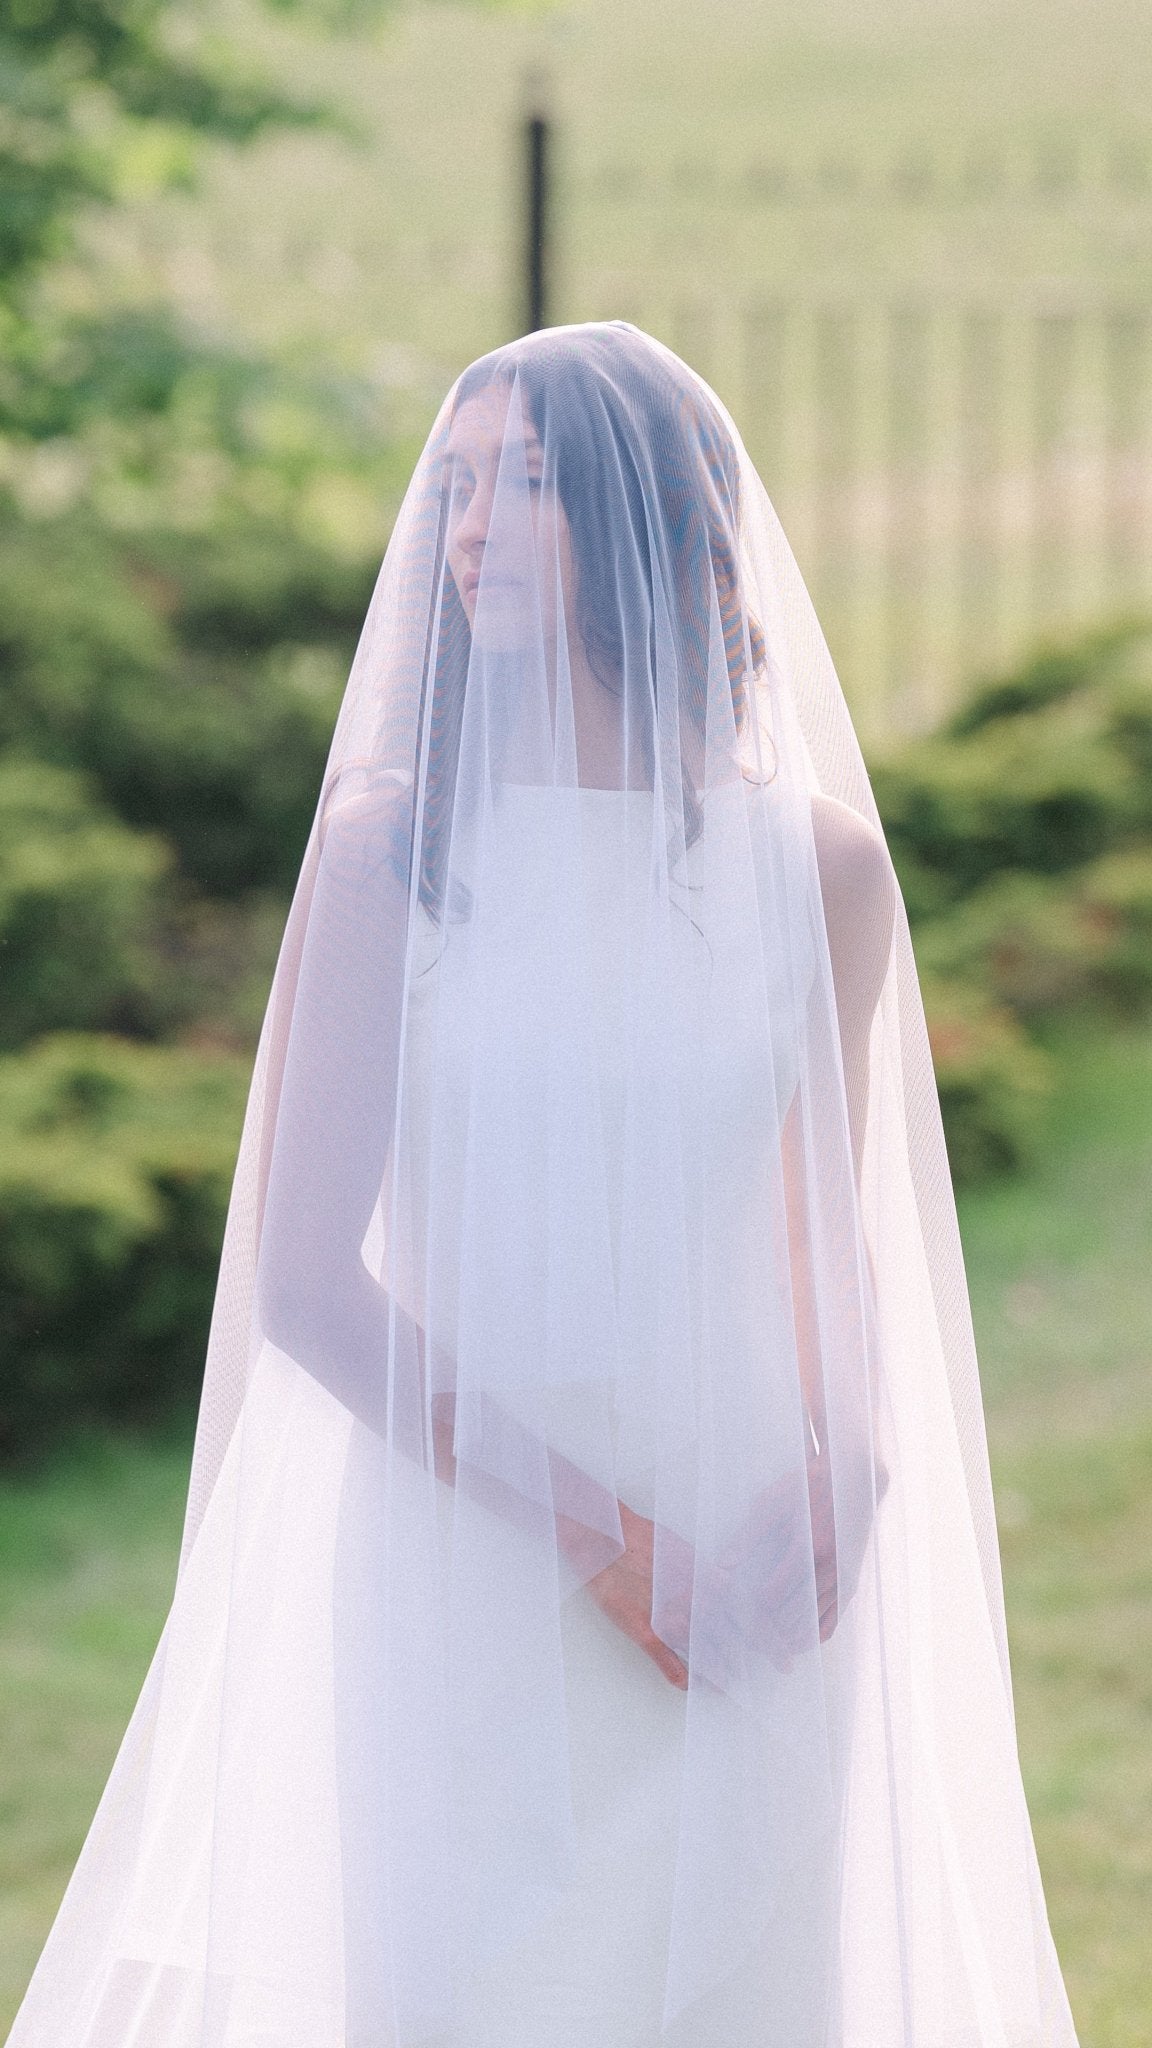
593 1161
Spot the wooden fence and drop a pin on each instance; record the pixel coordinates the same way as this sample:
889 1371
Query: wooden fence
959 479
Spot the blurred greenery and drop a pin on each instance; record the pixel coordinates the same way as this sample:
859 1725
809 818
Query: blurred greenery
78 891
188 538
1022 834
115 1164
194 678
74 74
84 84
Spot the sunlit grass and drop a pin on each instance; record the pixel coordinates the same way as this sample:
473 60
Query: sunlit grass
1061 1280
1062 1290
87 1562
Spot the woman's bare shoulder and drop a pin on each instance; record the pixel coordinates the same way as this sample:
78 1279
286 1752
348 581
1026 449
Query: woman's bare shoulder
365 824
855 866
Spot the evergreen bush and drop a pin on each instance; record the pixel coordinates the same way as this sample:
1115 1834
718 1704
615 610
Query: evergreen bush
115 1166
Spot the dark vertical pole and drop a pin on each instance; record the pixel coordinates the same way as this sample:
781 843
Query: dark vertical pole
537 137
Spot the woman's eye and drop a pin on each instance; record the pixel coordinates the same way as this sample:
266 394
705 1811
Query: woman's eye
521 486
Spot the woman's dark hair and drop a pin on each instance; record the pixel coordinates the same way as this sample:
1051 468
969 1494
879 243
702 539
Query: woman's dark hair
621 433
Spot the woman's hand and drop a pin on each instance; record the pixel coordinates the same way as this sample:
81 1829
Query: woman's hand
697 1613
623 1591
758 1593
784 1558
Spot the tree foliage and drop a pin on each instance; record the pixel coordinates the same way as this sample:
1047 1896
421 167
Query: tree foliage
193 678
172 646
73 74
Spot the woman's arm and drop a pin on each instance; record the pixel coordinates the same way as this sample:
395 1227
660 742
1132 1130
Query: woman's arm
338 1064
858 892
859 905
338 1056
859 895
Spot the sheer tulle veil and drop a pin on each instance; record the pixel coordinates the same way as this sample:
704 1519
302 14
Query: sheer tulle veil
592 1159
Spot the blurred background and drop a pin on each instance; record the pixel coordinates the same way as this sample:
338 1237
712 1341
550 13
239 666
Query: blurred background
244 248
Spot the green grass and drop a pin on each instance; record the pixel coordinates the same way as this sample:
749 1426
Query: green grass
87 1563
1062 1293
1061 1283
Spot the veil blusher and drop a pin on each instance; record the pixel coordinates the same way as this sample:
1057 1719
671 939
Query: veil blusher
553 1198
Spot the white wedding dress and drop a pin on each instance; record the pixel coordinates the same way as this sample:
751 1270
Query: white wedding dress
593 1972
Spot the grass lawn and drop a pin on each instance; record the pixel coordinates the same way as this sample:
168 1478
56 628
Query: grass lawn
88 1556
1062 1289
1061 1280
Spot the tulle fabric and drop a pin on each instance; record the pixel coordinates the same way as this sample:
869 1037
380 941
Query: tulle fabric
592 1157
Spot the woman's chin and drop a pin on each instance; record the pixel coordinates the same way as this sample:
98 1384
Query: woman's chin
496 631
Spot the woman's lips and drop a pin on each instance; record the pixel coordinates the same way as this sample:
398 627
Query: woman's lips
487 585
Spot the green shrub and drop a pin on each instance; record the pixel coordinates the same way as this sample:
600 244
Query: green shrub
1040 945
1114 900
993 1083
1041 774
1022 835
1041 794
115 1167
195 679
79 899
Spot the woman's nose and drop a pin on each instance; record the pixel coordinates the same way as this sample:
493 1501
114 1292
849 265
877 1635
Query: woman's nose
471 529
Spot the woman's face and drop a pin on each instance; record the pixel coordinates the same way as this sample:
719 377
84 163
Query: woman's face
509 598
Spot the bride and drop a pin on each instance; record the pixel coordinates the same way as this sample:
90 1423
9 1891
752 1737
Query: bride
589 1630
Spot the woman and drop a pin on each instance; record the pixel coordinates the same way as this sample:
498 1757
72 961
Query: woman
589 1630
